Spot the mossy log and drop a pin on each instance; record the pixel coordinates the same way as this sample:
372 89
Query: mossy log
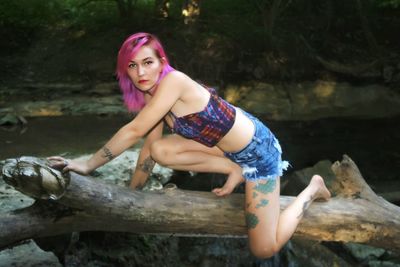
355 214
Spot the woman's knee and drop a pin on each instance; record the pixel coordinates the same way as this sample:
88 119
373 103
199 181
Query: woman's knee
264 252
263 248
161 152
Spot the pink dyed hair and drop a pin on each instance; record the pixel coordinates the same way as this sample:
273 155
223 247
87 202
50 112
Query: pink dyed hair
133 97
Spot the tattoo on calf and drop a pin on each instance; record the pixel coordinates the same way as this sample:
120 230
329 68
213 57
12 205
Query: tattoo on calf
305 206
107 153
147 165
263 203
255 194
251 220
268 187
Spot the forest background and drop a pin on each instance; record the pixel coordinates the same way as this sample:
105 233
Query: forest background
218 42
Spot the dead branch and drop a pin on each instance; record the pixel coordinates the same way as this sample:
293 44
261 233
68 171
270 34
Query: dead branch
356 214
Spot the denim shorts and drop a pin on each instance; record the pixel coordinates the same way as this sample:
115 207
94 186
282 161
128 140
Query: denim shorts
261 158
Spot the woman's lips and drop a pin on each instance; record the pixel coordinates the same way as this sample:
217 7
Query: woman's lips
142 81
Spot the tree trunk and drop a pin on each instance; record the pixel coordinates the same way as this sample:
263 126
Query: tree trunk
372 43
356 214
125 8
270 12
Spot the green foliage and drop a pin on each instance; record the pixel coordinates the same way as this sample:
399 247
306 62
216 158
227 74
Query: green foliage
239 35
90 14
388 3
29 13
238 20
53 13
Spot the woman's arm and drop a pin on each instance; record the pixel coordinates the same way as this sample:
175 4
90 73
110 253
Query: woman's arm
145 163
168 92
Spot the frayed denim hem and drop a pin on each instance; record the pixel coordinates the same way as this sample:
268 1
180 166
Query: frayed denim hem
250 173
261 158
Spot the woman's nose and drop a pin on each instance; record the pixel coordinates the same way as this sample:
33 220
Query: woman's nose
140 70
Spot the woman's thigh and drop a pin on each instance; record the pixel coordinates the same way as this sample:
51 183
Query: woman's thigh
262 212
174 144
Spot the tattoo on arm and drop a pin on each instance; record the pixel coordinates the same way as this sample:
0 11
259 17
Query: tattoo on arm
107 153
147 165
251 220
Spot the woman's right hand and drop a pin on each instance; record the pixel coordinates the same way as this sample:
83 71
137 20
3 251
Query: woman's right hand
69 165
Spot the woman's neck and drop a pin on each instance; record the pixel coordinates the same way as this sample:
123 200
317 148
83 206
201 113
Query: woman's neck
151 90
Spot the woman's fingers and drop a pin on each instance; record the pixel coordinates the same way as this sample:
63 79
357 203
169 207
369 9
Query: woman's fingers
59 162
65 169
66 165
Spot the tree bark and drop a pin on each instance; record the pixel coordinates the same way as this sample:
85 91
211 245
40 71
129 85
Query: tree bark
355 214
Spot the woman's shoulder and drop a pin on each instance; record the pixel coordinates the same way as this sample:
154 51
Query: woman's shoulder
175 75
176 78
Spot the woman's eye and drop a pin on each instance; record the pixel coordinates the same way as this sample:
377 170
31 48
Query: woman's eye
132 65
148 62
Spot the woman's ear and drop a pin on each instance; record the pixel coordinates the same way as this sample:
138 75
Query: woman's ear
163 61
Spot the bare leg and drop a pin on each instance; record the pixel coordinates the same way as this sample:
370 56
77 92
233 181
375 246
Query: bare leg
179 153
203 162
269 230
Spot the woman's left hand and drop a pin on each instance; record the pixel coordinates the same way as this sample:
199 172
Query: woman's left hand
69 165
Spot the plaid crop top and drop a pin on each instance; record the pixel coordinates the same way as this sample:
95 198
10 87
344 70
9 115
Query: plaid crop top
208 126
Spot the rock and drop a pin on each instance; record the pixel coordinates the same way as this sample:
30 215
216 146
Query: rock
364 253
315 100
12 119
27 255
119 170
289 101
300 179
376 263
311 253
72 106
388 72
323 99
11 199
104 89
261 98
152 184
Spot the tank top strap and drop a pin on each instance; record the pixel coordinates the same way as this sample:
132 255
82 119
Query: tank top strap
172 114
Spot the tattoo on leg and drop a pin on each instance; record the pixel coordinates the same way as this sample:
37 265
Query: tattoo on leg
268 187
255 194
107 153
251 220
147 165
305 206
263 203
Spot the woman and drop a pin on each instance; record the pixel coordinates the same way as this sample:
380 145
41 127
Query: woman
211 135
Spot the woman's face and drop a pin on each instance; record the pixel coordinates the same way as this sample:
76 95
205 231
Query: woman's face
145 68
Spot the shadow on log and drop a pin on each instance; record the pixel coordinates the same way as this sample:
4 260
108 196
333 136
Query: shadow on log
356 214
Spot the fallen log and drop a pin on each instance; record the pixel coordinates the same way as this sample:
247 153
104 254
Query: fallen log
355 214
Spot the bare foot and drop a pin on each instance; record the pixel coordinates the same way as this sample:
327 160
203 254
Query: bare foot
322 191
234 179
